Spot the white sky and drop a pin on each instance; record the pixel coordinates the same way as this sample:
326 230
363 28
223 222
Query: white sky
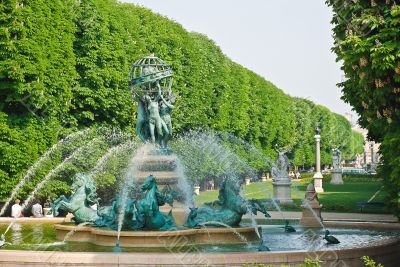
287 41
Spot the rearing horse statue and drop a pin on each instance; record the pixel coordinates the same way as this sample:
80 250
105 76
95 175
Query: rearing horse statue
83 196
227 210
147 212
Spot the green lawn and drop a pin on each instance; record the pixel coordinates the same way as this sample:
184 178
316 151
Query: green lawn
340 198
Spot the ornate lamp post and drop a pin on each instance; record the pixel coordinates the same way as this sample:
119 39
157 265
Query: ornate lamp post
318 175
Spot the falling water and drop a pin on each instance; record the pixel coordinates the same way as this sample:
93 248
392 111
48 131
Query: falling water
9 226
314 214
253 220
307 205
183 183
55 171
242 238
99 167
70 233
129 180
39 163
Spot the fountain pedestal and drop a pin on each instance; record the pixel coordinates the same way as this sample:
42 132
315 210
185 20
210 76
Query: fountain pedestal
311 216
161 239
164 167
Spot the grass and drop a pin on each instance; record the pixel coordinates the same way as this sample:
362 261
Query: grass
336 198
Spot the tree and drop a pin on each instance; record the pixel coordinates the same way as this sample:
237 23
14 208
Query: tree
367 42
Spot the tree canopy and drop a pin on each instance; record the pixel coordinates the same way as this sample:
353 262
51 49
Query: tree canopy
367 42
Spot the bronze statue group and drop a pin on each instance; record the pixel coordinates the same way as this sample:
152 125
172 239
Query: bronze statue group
154 114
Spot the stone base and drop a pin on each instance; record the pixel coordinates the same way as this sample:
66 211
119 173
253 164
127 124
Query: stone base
337 177
385 252
179 213
318 182
163 167
282 191
188 237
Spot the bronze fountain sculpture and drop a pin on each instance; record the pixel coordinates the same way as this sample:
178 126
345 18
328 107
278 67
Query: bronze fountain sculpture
150 82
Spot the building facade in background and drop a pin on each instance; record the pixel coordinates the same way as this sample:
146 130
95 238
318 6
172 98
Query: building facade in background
370 157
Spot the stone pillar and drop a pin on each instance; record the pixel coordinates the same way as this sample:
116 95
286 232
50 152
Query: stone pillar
372 153
318 175
311 216
365 157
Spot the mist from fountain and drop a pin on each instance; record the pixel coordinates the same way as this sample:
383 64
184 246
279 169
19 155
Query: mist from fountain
203 148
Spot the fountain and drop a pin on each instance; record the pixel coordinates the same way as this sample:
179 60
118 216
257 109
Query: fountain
150 198
153 212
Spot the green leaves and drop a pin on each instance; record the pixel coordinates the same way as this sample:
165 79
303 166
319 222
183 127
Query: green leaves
64 65
368 43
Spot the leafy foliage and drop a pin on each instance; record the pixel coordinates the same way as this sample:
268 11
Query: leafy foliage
367 42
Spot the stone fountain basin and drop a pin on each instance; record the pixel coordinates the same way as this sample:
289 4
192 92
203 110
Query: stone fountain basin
162 239
385 251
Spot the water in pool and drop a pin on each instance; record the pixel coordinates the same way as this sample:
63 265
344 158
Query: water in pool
42 237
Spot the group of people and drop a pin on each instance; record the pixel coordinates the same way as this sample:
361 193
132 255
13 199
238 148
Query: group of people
294 175
210 185
36 210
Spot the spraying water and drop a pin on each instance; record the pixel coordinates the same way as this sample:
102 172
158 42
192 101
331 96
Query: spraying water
54 171
39 163
242 238
129 180
183 183
112 152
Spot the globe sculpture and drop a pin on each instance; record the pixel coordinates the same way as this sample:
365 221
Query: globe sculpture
150 82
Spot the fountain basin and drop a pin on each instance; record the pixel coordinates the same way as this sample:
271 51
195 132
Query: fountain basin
387 253
34 245
164 239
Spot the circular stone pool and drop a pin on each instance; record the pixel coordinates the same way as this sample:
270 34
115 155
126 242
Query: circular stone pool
381 241
31 236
